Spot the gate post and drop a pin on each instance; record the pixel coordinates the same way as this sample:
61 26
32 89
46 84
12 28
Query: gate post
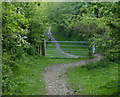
43 46
90 51
93 49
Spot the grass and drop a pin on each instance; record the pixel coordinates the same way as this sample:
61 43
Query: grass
58 35
27 75
99 78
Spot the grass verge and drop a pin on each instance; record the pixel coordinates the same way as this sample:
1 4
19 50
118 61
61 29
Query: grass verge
99 78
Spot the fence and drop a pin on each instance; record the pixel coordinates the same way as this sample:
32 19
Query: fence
67 49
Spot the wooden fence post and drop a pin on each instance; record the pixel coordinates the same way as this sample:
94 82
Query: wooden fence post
43 46
90 51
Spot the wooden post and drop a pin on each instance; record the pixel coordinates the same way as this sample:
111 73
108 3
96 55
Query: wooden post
90 51
43 46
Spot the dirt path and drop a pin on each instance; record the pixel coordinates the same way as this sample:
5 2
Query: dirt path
53 75
55 80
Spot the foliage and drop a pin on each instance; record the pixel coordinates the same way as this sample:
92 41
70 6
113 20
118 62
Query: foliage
14 35
23 30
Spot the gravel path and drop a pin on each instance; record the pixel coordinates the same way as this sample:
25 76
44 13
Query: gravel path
54 75
55 80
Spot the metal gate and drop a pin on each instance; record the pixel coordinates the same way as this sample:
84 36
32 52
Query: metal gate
66 49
